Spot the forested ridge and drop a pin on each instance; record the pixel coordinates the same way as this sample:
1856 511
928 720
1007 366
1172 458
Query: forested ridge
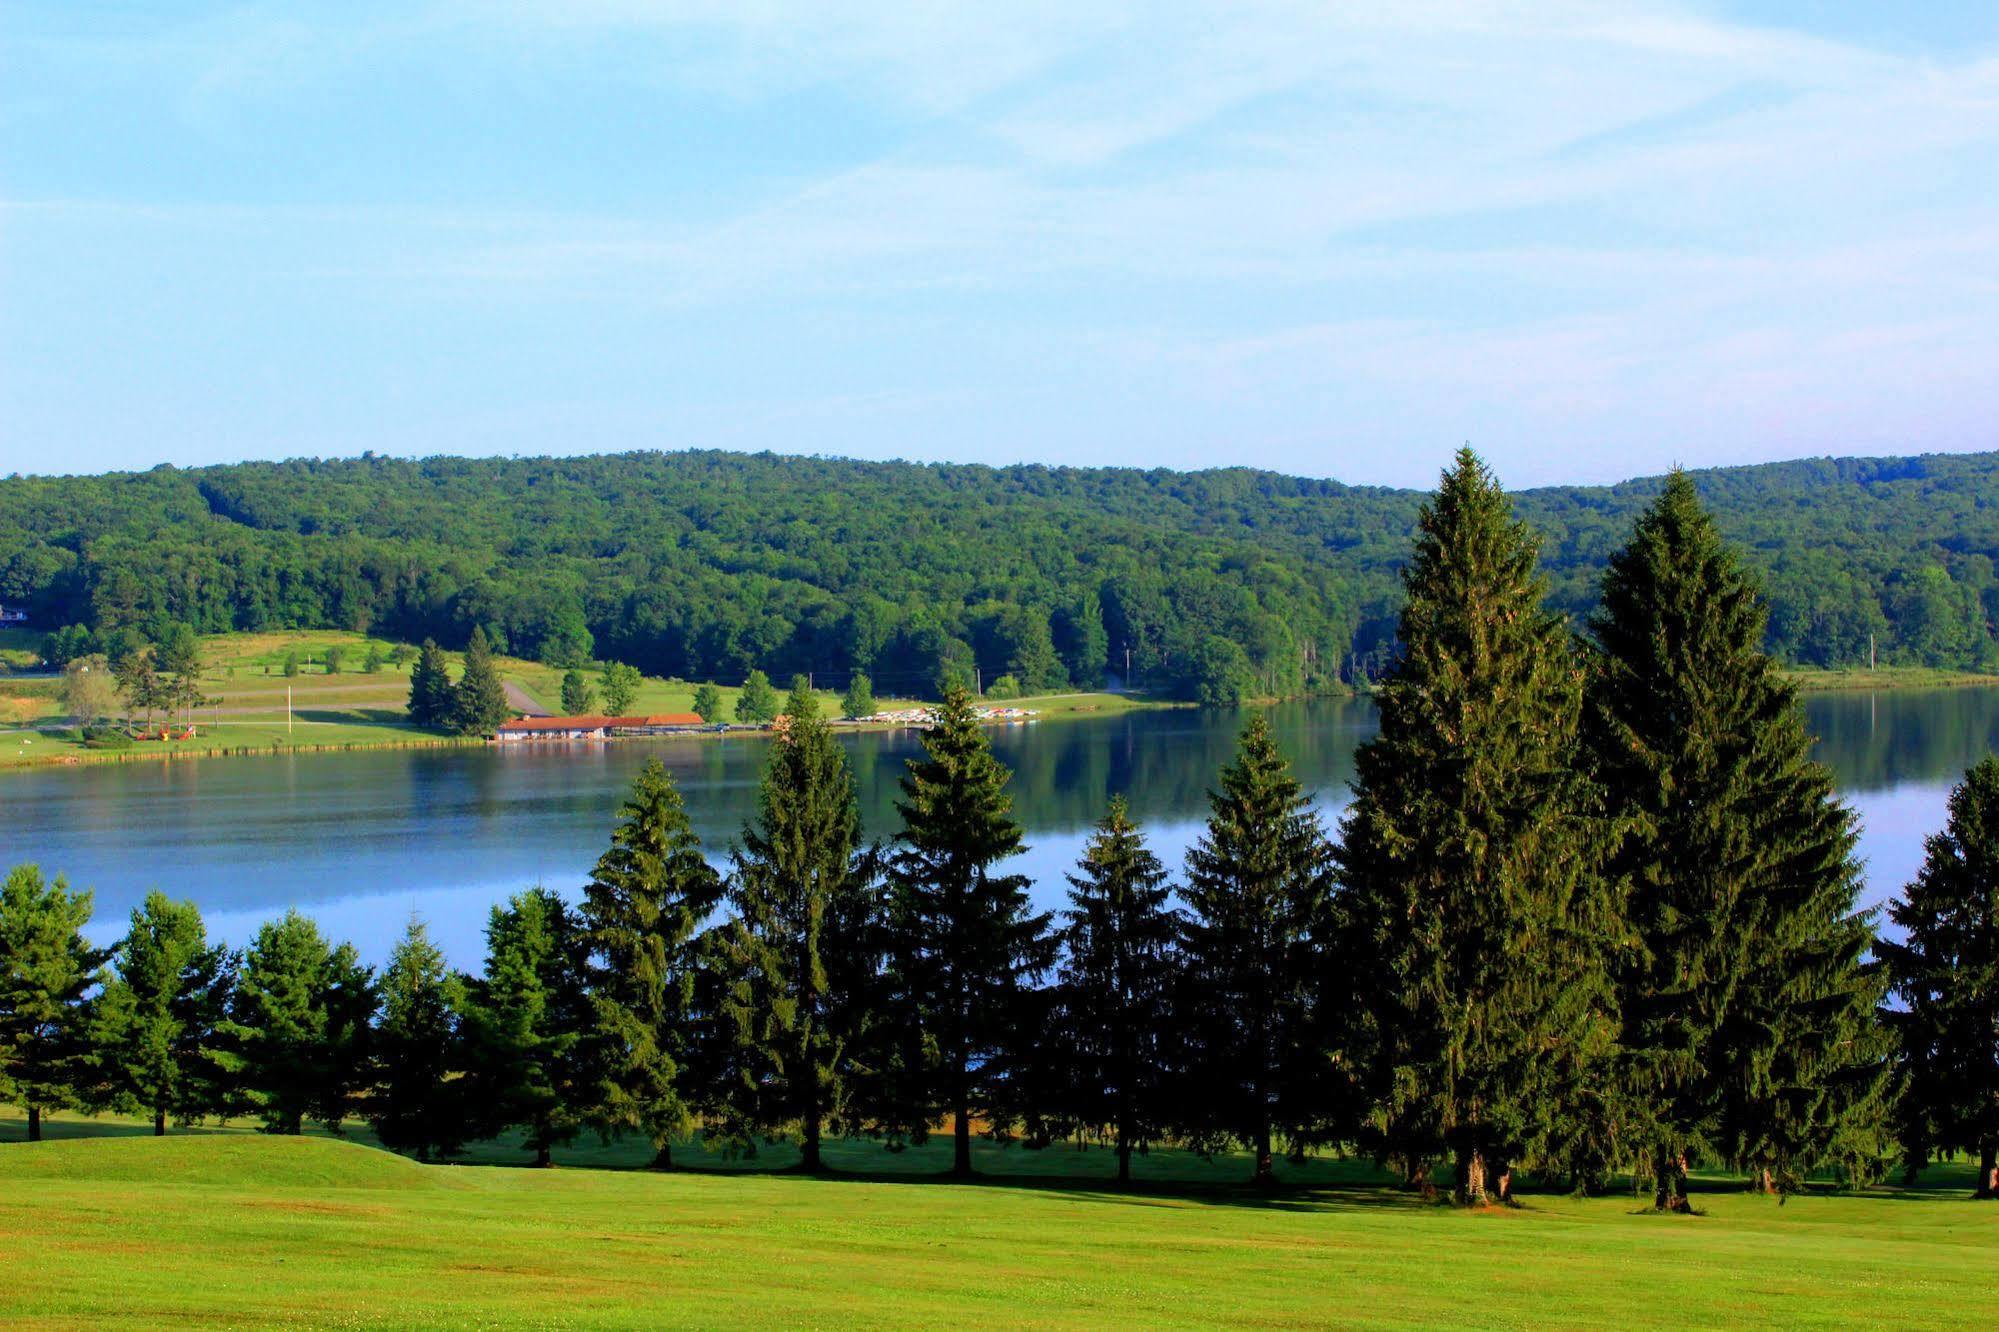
705 565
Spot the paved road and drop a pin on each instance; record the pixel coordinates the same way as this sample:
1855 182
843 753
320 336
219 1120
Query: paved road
522 701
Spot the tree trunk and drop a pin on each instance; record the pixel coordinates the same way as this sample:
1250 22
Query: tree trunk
159 1121
663 1158
1988 1169
34 1122
961 1142
1761 1182
1471 1178
542 1159
1264 1176
1502 1176
808 1154
1670 1175
1124 1160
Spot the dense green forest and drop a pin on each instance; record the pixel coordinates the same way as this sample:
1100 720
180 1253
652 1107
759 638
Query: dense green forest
704 565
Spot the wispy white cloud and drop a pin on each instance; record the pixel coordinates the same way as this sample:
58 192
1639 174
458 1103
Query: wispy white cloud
1620 215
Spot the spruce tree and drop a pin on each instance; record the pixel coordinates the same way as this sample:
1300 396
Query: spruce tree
155 1033
296 1042
577 695
645 910
1945 971
1738 863
47 970
529 1025
481 700
859 700
1115 988
800 953
418 1048
1471 863
1257 884
965 948
432 699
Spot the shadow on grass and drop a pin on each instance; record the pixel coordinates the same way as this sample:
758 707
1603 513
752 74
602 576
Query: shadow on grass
1165 1175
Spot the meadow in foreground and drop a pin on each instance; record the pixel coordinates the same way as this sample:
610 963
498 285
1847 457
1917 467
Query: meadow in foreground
248 1230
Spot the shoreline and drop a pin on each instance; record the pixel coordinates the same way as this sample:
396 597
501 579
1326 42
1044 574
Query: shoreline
147 752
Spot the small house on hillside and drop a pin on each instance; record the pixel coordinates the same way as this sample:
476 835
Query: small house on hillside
12 615
596 727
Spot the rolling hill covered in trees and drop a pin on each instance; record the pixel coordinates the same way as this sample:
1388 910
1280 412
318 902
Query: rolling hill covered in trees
705 565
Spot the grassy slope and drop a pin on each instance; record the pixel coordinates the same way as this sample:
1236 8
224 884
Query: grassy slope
245 675
234 1229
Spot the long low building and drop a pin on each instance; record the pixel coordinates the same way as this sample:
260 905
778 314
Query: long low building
597 728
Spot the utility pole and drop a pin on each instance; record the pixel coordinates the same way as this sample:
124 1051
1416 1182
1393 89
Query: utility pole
978 681
288 709
1870 651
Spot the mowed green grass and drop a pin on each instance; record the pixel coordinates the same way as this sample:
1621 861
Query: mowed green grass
244 676
235 1229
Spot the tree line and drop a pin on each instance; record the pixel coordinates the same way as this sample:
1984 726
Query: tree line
1214 585
1591 912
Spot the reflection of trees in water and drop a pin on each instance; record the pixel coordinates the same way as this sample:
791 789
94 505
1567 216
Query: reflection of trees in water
1064 772
1879 740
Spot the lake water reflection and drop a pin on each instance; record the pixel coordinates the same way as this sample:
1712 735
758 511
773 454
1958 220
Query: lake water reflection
362 840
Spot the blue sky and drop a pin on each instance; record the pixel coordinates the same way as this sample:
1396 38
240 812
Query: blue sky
1337 239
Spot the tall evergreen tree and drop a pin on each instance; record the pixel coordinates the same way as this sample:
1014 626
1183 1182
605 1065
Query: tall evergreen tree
481 700
1471 861
859 700
417 1104
530 1023
296 1041
1737 860
1946 973
645 910
47 970
1115 987
1257 884
155 1033
800 954
577 695
432 699
965 948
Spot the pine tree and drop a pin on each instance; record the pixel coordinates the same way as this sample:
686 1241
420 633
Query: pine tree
645 909
481 700
966 950
799 955
1257 884
1737 857
577 696
1471 863
155 1033
860 697
1945 970
432 699
418 1048
1115 988
296 1041
47 971
529 1019
757 703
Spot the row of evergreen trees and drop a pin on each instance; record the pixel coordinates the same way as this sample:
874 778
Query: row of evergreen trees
1593 909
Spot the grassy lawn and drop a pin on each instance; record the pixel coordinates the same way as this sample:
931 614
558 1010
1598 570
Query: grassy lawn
350 709
1886 677
235 1229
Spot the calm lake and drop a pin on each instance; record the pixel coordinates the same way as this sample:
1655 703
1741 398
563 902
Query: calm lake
363 840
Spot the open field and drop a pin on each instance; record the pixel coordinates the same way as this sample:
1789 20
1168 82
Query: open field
1887 677
350 709
236 1229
